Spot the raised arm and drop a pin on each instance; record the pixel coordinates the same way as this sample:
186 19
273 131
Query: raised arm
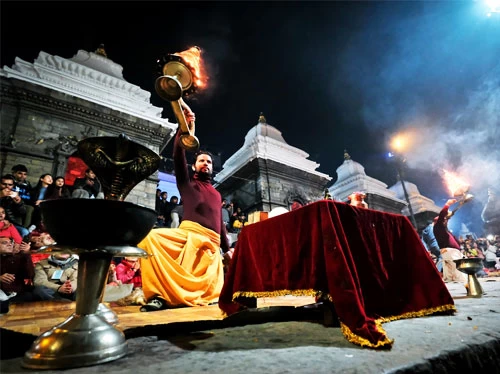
444 212
180 162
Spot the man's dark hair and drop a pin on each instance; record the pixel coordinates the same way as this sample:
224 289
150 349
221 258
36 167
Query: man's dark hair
19 167
201 152
8 176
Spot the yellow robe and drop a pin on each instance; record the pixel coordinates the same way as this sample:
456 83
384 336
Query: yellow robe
184 266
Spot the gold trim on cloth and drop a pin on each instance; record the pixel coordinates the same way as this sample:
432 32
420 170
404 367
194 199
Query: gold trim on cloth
309 292
346 331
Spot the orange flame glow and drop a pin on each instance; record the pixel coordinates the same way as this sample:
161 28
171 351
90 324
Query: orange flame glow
192 57
455 184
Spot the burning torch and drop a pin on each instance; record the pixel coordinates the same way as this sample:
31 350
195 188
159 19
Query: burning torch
181 74
458 188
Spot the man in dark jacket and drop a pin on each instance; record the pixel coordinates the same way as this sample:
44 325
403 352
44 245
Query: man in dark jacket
15 209
86 187
21 184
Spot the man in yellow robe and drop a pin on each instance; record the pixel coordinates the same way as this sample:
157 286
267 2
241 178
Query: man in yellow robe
185 265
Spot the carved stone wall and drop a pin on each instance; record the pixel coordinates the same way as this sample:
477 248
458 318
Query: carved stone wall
263 185
41 128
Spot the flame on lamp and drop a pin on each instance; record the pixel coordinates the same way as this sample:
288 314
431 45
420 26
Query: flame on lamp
455 184
192 57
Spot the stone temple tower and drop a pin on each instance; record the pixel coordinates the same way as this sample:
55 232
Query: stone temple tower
351 177
267 173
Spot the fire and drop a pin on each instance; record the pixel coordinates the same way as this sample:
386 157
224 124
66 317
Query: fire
455 184
192 57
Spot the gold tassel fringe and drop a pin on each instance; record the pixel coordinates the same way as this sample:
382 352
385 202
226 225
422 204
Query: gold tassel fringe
346 331
309 292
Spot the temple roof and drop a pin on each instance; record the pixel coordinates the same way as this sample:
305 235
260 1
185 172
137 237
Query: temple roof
351 176
419 203
89 76
266 142
263 129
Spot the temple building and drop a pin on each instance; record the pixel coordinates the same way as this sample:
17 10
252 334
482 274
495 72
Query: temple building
49 105
266 173
351 177
424 209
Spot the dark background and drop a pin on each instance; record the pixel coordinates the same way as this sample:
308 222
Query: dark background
329 75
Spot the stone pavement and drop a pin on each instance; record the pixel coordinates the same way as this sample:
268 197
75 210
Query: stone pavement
278 341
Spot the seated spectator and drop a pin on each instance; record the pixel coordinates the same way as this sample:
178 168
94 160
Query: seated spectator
128 271
16 273
234 217
38 194
7 229
56 277
491 255
112 279
239 223
124 285
176 215
87 187
115 291
23 187
15 209
58 190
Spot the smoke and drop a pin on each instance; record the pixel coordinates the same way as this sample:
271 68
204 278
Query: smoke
466 142
215 44
433 75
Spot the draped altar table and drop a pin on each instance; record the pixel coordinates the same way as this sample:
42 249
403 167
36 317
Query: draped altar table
370 265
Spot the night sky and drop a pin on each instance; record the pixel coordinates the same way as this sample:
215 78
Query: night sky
329 75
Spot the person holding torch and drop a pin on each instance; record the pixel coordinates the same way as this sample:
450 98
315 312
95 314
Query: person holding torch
185 267
450 248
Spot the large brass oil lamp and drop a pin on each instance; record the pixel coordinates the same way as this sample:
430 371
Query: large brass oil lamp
97 230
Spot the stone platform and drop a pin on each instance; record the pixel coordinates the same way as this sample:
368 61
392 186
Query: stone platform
279 339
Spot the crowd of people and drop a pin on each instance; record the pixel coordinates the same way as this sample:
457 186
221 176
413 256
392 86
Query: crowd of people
187 249
25 275
169 211
21 201
444 248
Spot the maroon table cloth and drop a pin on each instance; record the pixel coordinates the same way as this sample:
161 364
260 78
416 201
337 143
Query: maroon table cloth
370 264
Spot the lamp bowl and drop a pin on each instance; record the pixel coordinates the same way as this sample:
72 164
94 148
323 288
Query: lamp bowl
469 265
96 223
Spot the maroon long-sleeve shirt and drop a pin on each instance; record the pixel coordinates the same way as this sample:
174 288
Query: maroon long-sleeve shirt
200 199
443 236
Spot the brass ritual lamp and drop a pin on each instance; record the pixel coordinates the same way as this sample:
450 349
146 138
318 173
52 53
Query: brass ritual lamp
180 77
97 230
